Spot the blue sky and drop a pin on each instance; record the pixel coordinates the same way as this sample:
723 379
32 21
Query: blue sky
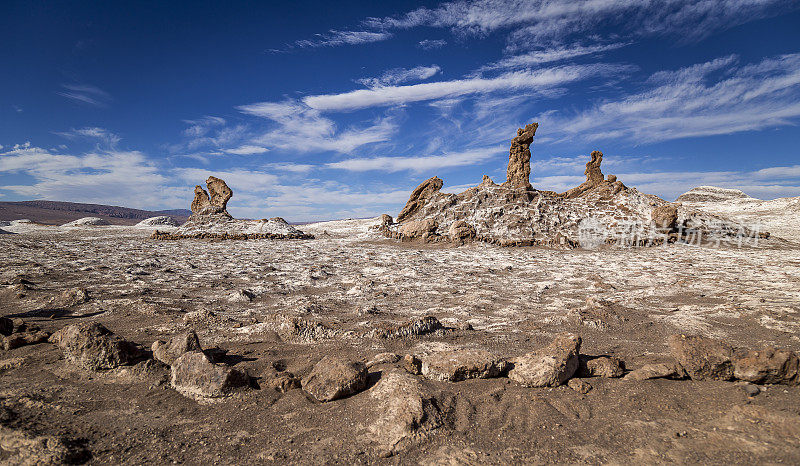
320 110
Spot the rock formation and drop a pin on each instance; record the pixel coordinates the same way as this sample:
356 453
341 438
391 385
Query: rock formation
600 211
211 220
519 161
214 203
201 200
419 196
219 192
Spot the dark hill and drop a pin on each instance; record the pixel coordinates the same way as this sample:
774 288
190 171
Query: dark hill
57 213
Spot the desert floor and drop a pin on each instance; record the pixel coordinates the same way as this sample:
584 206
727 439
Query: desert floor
236 294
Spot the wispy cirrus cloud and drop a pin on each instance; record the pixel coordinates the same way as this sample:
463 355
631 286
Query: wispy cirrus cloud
711 98
556 20
532 80
246 150
550 55
431 44
418 164
301 128
335 38
101 135
85 94
401 75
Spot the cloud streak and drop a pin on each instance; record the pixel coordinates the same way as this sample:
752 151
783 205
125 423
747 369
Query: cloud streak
535 81
694 102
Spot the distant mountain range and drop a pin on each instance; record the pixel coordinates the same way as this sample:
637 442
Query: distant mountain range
57 213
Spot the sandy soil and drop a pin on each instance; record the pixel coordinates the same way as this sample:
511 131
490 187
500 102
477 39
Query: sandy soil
623 302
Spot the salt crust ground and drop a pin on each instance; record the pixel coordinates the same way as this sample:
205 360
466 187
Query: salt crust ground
624 302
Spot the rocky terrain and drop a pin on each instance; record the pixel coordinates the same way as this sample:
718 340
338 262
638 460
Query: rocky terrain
355 348
229 341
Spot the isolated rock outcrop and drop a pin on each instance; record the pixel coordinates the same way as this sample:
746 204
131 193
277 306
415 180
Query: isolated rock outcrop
768 365
86 221
550 366
333 378
594 177
519 161
405 412
702 357
177 345
160 221
658 370
194 374
419 196
455 365
94 347
601 211
211 220
213 202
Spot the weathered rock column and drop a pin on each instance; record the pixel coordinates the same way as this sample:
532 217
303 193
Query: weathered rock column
519 160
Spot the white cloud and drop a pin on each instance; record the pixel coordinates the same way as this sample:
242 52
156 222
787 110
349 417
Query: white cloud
303 129
112 177
290 167
549 55
199 128
536 81
85 94
100 134
417 164
690 102
246 150
334 38
555 20
401 75
430 44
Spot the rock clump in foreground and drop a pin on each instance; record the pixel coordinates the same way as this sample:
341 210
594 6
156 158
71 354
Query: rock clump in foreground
194 374
211 220
94 347
550 366
405 412
600 211
333 378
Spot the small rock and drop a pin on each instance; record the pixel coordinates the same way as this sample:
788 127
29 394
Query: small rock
579 385
404 412
767 366
657 371
280 382
175 347
551 366
73 297
751 390
702 357
194 374
333 378
94 347
461 364
383 358
412 364
417 327
6 326
11 363
26 338
603 366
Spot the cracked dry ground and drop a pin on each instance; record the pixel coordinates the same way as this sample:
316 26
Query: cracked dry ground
622 302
